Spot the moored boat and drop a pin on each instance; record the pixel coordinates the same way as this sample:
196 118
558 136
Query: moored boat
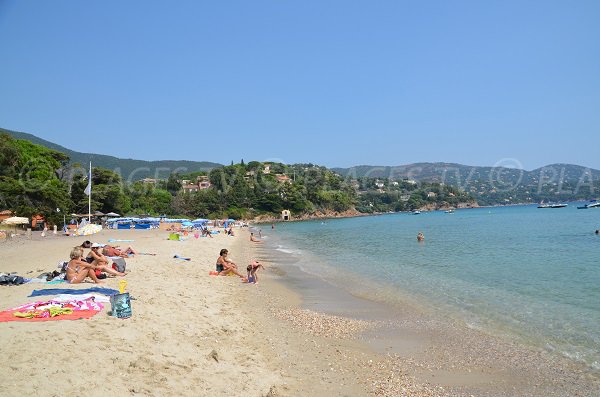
592 205
560 205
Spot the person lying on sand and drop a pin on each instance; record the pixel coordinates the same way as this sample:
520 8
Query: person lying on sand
254 239
109 250
100 262
225 266
253 269
78 269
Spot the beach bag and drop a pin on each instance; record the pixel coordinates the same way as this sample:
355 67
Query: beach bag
119 264
11 279
120 305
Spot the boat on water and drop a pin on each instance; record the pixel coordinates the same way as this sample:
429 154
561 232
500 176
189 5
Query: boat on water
591 205
559 205
449 211
416 212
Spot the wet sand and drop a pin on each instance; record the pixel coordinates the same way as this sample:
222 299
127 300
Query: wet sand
437 351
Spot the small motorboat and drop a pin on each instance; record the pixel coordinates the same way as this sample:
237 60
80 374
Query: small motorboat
561 205
449 211
416 212
592 205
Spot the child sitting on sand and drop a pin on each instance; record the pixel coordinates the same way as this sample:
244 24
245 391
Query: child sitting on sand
252 269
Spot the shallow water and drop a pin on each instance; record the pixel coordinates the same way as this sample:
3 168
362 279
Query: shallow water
526 273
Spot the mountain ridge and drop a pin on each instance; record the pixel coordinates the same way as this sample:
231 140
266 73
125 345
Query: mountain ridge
455 174
130 169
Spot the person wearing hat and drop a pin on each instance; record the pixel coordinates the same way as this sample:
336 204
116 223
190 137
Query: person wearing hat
100 262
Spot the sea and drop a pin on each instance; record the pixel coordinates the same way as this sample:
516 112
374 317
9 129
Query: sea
528 274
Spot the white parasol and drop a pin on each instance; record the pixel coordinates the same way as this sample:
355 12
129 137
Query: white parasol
15 220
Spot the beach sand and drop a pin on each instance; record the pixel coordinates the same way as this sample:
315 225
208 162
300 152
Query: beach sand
192 334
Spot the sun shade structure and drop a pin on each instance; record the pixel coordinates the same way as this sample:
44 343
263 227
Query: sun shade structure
15 220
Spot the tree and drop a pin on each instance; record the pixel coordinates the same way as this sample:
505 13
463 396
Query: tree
29 184
173 184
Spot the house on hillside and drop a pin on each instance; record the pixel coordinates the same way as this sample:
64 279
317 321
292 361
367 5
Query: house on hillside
283 178
190 188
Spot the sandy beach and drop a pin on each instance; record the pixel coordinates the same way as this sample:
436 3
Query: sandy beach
192 334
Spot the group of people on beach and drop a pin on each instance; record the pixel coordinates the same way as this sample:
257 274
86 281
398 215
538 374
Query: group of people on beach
226 266
95 264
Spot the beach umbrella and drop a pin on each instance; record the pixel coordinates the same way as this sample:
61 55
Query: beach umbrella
98 213
15 220
112 214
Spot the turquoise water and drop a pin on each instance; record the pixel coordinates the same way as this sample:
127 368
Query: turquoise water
522 272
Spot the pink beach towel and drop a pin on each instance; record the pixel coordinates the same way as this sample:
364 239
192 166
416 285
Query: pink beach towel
81 309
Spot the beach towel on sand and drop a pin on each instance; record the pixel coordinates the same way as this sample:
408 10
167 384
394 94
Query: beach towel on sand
57 291
52 311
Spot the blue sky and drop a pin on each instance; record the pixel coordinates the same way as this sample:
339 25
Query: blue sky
336 83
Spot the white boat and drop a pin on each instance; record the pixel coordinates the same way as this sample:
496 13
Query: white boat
449 211
592 205
562 205
416 212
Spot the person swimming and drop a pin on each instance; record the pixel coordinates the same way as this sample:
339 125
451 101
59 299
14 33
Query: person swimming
420 237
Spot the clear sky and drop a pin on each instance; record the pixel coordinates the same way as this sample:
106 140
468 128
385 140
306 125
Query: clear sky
337 83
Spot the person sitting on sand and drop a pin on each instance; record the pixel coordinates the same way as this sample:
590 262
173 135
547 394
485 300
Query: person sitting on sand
254 239
109 250
78 269
253 269
100 262
230 231
225 266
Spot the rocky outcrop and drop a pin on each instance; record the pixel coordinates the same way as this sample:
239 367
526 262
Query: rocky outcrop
313 215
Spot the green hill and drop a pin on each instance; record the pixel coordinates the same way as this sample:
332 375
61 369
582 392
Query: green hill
495 185
129 169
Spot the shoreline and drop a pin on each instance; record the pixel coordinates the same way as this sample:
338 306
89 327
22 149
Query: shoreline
262 220
438 351
292 335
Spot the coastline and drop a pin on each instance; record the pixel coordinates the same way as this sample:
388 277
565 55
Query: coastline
292 335
439 354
